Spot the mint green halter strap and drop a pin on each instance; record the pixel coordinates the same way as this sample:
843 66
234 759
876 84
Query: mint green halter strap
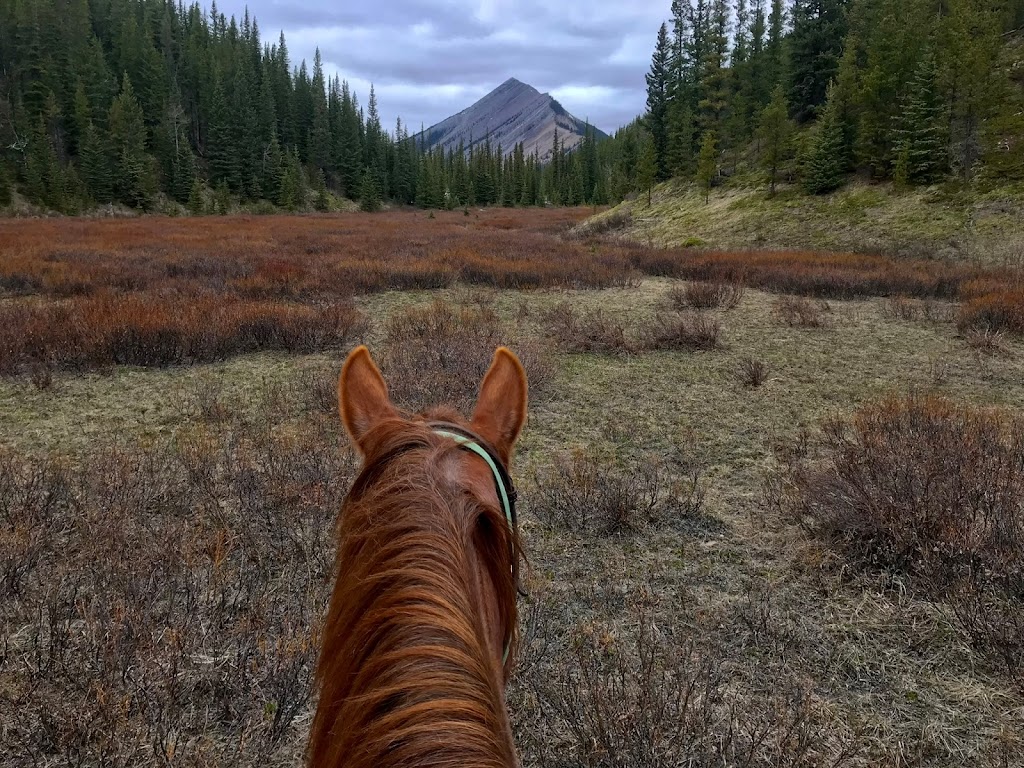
465 442
499 482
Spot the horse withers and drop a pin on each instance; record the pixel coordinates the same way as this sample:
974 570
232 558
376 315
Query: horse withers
422 617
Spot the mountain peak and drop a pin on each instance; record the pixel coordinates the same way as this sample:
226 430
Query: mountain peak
512 113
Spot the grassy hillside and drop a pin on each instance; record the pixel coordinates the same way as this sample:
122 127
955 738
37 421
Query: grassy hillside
932 222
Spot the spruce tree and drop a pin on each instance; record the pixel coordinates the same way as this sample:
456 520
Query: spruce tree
196 200
658 100
921 137
815 46
133 174
5 185
96 164
221 150
774 133
825 169
321 200
369 193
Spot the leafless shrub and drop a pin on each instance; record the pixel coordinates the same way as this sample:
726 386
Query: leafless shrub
438 354
707 295
935 311
208 401
934 490
752 372
801 312
902 308
689 331
644 697
318 390
986 341
583 492
576 330
40 373
165 597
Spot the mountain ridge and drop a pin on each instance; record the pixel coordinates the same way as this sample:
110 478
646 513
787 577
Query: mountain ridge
512 113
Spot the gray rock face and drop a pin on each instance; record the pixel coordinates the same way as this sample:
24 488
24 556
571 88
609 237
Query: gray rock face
513 112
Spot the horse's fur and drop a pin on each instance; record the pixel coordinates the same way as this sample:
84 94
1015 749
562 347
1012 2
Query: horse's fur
410 671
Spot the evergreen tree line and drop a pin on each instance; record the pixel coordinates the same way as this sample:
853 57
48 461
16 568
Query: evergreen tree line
127 100
916 91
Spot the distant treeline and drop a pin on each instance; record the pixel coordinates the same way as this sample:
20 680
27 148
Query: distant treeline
139 101
911 90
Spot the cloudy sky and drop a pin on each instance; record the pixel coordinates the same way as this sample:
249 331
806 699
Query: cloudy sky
429 59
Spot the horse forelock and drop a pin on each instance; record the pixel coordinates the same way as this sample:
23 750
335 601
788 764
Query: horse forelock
406 674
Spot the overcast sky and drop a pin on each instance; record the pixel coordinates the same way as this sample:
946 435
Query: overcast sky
429 59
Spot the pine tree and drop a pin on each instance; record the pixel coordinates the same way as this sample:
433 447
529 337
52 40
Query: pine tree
707 164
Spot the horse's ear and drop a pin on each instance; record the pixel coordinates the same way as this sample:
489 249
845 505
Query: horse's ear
501 407
362 395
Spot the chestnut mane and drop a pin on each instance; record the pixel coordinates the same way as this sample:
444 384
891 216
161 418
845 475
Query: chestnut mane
407 675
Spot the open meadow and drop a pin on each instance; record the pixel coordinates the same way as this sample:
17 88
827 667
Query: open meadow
772 502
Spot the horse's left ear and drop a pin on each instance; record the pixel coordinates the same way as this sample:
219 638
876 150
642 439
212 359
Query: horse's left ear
501 407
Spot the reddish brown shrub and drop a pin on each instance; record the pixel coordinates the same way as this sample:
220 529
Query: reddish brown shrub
139 329
586 493
439 353
704 295
934 490
163 596
689 331
800 312
580 330
1000 311
752 372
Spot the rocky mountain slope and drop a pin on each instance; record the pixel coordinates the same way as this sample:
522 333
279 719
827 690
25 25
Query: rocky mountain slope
513 112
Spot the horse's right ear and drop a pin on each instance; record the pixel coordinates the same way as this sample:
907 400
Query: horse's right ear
362 396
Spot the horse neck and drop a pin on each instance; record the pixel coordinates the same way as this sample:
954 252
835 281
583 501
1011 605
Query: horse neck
407 675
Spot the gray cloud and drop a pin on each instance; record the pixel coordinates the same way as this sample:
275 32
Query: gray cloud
429 59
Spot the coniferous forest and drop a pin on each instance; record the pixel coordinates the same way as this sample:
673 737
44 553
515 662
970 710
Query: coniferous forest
147 103
914 91
140 102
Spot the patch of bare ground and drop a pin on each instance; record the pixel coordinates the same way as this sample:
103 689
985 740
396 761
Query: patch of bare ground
162 589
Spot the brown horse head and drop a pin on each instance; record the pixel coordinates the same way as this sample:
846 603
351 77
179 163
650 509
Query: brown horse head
423 611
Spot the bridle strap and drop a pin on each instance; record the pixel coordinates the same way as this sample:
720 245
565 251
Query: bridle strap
499 480
502 481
